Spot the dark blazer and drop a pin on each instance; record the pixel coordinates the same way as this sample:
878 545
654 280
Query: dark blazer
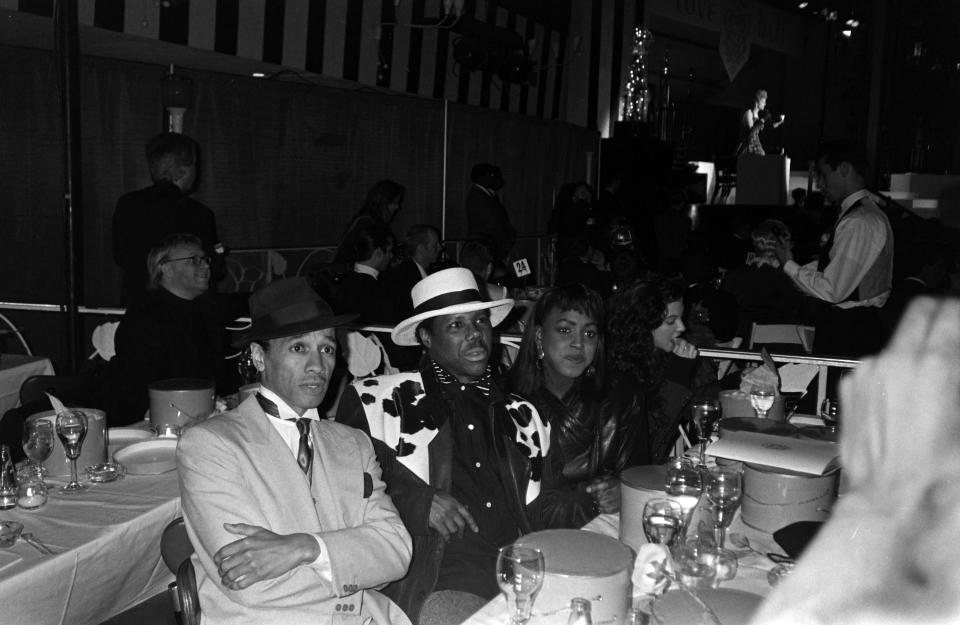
416 455
143 219
487 220
399 281
362 294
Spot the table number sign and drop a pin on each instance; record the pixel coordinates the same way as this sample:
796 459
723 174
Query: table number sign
521 268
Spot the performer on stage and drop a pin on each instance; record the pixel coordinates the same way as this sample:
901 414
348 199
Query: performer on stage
752 122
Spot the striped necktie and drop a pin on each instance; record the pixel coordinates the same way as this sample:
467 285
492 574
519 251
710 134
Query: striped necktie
304 453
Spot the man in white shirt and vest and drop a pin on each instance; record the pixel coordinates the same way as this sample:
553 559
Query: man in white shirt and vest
854 274
287 512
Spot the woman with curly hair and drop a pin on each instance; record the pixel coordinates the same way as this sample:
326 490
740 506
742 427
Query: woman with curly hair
648 353
561 369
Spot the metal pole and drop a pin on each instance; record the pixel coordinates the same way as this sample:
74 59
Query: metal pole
67 43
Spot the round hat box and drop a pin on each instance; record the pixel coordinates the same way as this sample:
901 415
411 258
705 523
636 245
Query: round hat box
178 401
774 498
582 564
93 450
635 486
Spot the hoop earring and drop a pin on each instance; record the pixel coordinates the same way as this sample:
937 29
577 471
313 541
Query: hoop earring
540 355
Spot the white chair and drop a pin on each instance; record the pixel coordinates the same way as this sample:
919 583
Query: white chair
787 333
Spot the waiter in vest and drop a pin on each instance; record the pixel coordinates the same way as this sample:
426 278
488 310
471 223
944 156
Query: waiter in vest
854 274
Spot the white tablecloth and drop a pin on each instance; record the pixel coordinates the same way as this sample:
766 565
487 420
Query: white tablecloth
108 544
751 576
14 369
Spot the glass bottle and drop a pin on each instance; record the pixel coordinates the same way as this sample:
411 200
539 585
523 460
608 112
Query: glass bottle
579 612
8 481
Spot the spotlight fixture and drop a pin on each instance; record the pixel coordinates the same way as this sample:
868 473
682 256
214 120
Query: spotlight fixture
803 5
852 23
846 32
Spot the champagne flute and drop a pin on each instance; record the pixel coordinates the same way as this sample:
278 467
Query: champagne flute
830 413
761 398
684 485
72 429
37 443
520 576
723 488
705 416
662 520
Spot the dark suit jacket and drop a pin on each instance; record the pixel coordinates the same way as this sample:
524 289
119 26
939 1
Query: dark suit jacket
488 221
399 281
362 294
143 219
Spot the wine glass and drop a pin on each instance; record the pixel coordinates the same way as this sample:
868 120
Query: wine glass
830 413
662 520
705 416
520 576
72 429
684 485
723 488
761 398
37 443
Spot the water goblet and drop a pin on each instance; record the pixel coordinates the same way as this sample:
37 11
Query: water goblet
701 564
723 488
706 414
830 413
37 443
662 520
72 429
684 485
520 576
761 398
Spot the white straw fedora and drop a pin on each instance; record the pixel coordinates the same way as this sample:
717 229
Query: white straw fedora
446 292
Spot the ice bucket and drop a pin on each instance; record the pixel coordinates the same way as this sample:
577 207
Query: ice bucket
583 564
178 401
93 451
774 498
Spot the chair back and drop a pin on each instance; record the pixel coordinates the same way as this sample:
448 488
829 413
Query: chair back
175 546
784 333
67 388
176 549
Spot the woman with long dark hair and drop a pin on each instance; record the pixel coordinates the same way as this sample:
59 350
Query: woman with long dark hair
383 202
561 369
648 353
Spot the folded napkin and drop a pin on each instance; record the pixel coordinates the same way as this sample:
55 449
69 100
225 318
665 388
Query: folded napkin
103 340
647 577
763 374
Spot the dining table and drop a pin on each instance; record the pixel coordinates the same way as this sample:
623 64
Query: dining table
14 369
751 577
106 552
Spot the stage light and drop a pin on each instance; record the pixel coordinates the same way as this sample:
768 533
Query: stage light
803 5
846 32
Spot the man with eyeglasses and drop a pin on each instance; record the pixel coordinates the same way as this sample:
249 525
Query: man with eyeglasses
177 332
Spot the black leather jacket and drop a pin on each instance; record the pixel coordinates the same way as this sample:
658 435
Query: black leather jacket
587 439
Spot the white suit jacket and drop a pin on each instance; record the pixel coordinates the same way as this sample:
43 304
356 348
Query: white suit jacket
235 468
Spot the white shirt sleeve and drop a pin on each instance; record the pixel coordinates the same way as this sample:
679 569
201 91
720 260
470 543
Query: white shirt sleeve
856 246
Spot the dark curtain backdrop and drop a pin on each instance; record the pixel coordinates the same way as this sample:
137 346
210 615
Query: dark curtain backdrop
284 164
535 155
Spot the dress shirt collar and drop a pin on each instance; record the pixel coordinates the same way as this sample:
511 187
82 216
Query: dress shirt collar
286 412
489 192
367 269
482 384
852 199
420 268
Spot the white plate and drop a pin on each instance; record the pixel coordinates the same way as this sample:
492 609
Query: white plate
118 438
149 457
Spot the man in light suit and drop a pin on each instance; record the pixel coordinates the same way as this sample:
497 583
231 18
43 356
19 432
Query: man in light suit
287 512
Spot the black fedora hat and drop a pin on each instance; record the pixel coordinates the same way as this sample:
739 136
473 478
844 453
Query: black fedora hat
288 307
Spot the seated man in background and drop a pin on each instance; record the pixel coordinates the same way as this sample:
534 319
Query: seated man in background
889 553
287 511
447 438
360 291
177 332
423 247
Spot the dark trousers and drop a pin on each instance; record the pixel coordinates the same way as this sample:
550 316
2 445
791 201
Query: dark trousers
847 333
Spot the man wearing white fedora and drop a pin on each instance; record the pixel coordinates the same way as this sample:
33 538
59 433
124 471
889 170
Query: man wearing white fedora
463 461
287 512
